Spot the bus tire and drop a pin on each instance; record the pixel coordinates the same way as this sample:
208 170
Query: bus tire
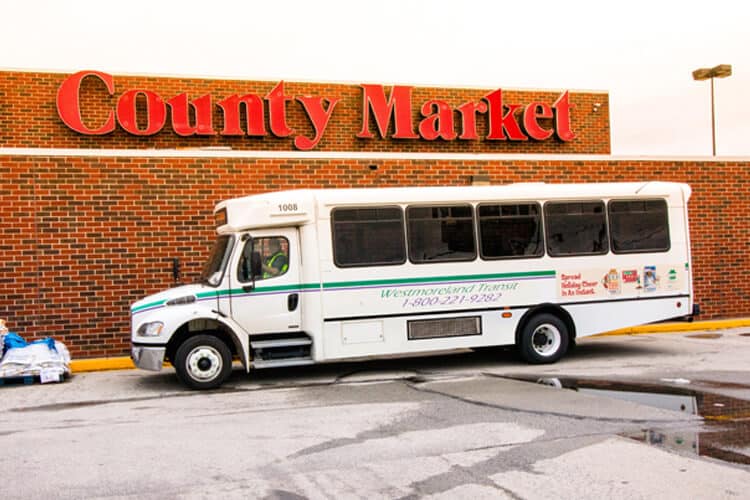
544 339
203 362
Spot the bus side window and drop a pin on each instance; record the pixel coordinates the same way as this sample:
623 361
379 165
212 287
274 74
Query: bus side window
576 228
372 236
440 233
510 230
639 226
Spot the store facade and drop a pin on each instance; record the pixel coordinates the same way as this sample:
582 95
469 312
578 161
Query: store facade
108 179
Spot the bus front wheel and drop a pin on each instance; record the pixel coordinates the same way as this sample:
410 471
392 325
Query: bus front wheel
544 339
203 362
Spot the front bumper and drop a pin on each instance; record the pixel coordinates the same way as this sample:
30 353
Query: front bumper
148 358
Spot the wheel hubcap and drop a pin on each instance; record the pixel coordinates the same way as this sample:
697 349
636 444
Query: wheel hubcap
546 340
204 363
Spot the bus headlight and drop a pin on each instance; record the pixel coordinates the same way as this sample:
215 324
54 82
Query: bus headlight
150 329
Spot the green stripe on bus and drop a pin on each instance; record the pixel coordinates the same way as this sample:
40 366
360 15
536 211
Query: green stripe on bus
146 306
466 277
347 284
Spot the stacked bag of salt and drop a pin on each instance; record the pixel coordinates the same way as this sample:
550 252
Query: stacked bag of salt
47 359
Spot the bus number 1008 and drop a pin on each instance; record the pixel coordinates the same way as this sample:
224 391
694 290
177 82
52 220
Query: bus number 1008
288 207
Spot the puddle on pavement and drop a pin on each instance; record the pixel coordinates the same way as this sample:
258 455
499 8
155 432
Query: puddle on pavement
724 434
705 336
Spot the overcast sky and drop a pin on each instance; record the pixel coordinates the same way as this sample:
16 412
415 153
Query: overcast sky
641 52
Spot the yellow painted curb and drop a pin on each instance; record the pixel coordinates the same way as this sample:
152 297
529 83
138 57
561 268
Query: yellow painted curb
101 364
680 327
125 363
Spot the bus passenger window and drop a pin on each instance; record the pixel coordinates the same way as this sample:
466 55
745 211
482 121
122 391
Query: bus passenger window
576 228
639 226
440 234
368 236
510 231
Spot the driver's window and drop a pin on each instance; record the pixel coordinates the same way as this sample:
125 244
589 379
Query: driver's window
264 258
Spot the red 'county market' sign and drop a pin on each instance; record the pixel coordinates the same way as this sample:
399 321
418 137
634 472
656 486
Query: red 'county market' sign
194 117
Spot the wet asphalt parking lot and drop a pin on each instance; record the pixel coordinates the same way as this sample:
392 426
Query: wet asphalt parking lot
641 416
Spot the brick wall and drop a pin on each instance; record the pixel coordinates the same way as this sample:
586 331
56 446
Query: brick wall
83 237
28 117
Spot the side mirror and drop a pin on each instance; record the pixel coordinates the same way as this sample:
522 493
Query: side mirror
176 269
255 265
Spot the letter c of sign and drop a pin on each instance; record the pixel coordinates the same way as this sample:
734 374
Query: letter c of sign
68 103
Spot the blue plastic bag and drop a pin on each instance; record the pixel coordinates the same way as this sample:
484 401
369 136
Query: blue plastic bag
13 340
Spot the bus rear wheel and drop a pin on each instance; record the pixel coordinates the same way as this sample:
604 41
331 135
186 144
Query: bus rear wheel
203 362
544 339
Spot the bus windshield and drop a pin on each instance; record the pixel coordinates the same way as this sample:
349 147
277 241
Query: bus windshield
213 270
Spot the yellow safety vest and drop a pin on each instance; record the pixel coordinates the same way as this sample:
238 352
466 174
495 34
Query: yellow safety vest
269 263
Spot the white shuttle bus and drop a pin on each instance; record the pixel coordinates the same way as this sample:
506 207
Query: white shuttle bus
309 276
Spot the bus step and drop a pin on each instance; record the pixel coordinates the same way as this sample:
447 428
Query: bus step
282 342
277 363
292 350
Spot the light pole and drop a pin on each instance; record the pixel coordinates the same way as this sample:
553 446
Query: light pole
720 71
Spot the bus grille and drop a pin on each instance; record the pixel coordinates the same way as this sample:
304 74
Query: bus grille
444 327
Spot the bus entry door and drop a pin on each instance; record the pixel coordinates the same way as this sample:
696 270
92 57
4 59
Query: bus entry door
267 296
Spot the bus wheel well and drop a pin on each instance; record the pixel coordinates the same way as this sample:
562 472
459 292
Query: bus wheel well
200 327
553 309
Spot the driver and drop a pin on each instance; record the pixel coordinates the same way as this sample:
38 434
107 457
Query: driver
277 262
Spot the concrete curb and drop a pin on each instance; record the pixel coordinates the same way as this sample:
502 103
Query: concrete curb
680 327
101 364
125 363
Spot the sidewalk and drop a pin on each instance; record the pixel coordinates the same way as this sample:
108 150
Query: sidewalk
124 363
